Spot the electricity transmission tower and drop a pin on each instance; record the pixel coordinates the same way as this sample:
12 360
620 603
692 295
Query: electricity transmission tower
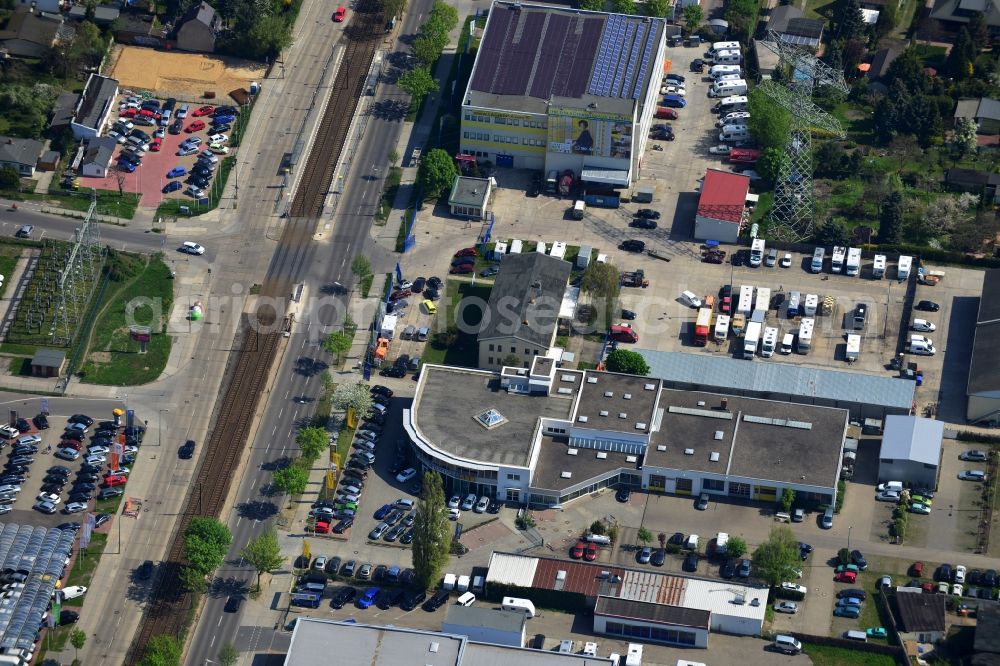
794 202
78 277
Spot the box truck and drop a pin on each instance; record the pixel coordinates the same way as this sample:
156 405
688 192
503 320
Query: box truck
853 266
750 340
853 347
701 327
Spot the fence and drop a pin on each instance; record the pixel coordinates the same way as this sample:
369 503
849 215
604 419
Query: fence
893 651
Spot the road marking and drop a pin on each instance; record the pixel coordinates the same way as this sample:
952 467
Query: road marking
238 521
281 410
274 430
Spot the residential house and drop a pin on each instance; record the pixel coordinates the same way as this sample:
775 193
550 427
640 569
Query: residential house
789 22
20 154
199 29
881 61
103 14
984 111
62 113
137 28
30 35
46 6
97 157
520 319
94 107
987 641
919 617
983 183
955 13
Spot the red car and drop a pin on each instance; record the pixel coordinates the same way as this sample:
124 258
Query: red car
203 111
196 126
467 252
129 113
846 577
401 293
156 144
338 16
918 569
463 268
592 550
576 552
147 113
113 480
71 444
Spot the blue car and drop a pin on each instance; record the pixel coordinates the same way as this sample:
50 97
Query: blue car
383 512
177 172
368 598
219 120
126 166
847 611
674 102
172 186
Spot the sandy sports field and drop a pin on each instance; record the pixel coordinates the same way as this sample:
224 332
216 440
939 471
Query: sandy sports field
186 76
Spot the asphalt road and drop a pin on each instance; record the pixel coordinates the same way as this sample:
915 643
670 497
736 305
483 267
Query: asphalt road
326 263
63 228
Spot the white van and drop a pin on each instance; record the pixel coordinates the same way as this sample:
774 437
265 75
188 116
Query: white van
692 542
787 644
466 599
727 58
733 133
728 88
786 344
520 605
720 70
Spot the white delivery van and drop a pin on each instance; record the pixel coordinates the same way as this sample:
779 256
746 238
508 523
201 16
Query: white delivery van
719 70
727 58
728 88
817 261
520 605
566 647
853 348
516 246
463 583
787 644
734 103
786 344
734 133
466 599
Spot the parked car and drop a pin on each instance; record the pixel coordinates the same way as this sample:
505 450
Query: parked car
789 607
972 475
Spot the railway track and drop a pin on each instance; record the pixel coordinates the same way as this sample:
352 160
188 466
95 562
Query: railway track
363 32
249 366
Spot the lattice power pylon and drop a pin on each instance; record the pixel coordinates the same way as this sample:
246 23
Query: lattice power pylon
794 203
81 272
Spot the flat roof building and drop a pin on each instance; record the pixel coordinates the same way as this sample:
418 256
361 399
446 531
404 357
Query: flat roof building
545 436
369 645
721 206
983 391
486 625
470 196
911 450
562 89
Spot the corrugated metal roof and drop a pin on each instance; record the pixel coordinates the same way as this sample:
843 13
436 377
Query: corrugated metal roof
581 577
774 377
654 587
912 438
510 569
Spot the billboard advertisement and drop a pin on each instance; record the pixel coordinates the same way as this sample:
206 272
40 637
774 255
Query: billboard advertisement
589 132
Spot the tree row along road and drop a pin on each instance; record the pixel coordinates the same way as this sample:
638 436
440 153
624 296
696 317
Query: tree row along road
250 366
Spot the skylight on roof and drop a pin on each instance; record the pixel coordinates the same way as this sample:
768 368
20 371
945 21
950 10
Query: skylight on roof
491 419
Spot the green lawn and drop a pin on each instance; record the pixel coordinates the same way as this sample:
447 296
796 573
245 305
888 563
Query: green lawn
389 191
112 357
8 259
85 565
465 351
109 202
823 655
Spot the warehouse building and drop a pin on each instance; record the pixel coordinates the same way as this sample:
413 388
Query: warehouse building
486 625
911 451
864 396
546 436
722 208
983 391
355 643
635 603
560 89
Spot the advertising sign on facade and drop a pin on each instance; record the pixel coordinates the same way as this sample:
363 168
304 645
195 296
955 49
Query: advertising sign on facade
589 132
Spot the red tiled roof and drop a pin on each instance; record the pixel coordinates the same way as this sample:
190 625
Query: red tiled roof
723 195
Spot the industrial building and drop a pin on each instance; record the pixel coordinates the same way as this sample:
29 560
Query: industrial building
545 436
983 391
722 210
911 450
561 89
356 644
486 625
864 396
638 603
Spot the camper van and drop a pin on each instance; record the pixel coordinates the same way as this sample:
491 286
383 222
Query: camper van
727 58
769 342
817 261
805 336
745 304
721 328
734 133
520 605
763 303
878 268
811 303
730 104
756 251
728 88
721 70
723 46
794 304
903 268
786 344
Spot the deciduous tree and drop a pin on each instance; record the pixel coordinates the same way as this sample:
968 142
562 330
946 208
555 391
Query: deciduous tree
228 655
965 135
624 6
431 533
772 164
644 535
627 361
77 638
291 480
768 122
657 8
737 547
891 219
162 650
592 5
848 19
10 180
693 16
263 553
436 173
353 396
787 499
777 559
312 443
418 83
206 541
337 343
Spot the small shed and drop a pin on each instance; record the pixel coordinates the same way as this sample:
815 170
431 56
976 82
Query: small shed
49 161
470 197
48 363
